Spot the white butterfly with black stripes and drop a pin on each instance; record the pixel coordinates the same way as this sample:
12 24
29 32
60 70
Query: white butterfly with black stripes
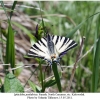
51 48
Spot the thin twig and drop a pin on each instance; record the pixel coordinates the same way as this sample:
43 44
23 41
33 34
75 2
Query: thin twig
29 65
5 64
24 6
73 70
1 54
30 77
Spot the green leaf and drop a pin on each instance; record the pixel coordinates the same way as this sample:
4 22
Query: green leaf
12 84
34 87
56 75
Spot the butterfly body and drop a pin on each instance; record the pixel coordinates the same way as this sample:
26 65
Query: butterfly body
51 48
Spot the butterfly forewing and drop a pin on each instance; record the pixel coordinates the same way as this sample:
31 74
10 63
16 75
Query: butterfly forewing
39 49
63 44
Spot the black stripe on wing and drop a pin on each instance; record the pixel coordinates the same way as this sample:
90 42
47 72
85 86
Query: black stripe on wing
42 43
35 46
64 52
57 40
69 44
38 49
65 41
32 54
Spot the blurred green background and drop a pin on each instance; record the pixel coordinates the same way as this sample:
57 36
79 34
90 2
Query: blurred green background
61 17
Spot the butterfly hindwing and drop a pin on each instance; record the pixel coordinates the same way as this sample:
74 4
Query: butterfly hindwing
38 49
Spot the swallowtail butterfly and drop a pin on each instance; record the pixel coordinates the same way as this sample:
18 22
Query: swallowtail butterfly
51 48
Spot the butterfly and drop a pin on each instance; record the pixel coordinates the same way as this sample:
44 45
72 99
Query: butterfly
51 48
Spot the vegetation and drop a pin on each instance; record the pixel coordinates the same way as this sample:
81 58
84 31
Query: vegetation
23 23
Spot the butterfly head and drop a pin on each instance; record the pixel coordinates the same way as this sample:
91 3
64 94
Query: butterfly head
55 58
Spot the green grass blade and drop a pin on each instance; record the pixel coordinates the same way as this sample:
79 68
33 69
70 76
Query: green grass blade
41 77
96 55
50 83
10 48
13 7
34 87
96 68
80 25
56 75
96 34
10 51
